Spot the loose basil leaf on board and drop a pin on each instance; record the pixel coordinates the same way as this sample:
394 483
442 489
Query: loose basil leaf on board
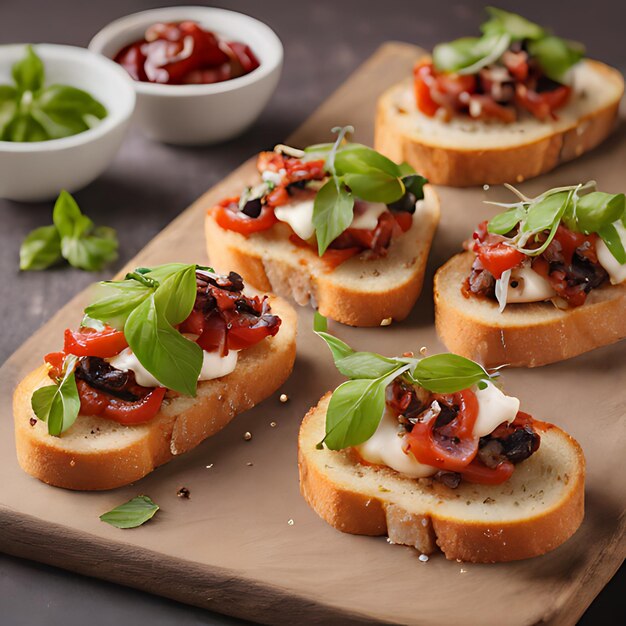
131 514
375 186
448 373
355 410
613 242
332 213
556 55
58 404
28 73
67 217
504 223
40 249
514 25
91 252
171 358
597 209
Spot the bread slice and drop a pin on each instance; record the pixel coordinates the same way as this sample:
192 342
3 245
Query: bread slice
96 453
360 292
524 335
535 511
465 152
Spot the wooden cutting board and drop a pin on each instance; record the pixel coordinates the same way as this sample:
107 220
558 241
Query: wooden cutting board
246 544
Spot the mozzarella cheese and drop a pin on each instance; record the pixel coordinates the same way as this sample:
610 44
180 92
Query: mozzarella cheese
615 270
386 445
213 366
299 215
524 285
273 177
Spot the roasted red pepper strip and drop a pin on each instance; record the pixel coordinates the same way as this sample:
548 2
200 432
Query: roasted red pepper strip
476 472
89 342
228 216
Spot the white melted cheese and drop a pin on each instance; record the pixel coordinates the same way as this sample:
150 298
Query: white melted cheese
273 177
299 215
615 270
527 286
213 366
386 445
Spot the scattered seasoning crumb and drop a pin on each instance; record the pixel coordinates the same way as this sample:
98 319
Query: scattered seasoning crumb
386 322
390 541
375 273
383 489
423 558
423 350
249 463
209 466
459 561
488 500
247 435
409 355
290 522
462 571
72 463
183 492
273 424
220 397
486 187
283 397
32 421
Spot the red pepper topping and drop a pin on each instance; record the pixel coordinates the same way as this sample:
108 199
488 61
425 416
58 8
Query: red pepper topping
89 342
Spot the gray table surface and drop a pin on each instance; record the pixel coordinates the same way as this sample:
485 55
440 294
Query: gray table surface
148 184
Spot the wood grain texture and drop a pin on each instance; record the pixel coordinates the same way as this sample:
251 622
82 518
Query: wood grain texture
232 548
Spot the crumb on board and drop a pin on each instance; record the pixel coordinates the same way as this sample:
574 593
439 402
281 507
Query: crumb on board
290 522
423 350
247 435
273 424
386 322
423 558
283 397
183 492
209 466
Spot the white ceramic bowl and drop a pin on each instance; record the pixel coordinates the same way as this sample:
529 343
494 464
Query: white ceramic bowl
200 114
32 171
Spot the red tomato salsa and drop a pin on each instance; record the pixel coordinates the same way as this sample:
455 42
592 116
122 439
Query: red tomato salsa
184 54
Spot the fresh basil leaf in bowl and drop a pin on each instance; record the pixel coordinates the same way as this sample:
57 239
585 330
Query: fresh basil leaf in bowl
29 111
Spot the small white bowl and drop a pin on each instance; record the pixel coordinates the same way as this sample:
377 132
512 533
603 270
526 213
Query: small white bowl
199 114
31 171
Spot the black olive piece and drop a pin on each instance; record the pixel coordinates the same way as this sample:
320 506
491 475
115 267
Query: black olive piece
253 207
520 445
406 203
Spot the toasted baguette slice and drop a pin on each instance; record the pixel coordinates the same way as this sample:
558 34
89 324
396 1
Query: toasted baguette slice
96 453
535 511
466 152
360 292
523 335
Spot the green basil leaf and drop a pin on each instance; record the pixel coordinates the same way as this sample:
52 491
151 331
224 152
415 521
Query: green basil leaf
543 214
320 323
504 223
59 404
8 108
40 249
469 54
161 272
171 358
597 209
67 216
556 55
131 514
176 295
28 73
515 25
332 212
406 170
613 242
448 373
365 365
116 301
338 348
24 128
375 186
90 253
358 159
90 322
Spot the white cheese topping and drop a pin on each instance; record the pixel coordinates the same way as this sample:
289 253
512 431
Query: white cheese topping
615 270
366 215
213 366
386 445
273 177
524 285
299 215
494 407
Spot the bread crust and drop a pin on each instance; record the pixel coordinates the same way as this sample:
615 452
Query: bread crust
523 335
463 539
467 166
303 277
181 424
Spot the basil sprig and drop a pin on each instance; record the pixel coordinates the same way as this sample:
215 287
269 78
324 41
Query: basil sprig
470 54
29 111
356 406
356 171
58 404
147 305
580 207
131 514
72 237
